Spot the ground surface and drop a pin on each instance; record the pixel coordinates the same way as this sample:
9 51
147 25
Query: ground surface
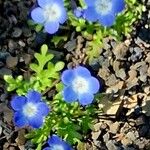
123 67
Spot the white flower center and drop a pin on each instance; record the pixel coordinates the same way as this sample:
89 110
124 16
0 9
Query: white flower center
29 110
103 7
57 147
80 85
52 12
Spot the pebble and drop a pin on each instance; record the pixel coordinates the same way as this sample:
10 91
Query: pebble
114 128
106 137
5 71
17 32
1 129
131 136
141 120
95 135
11 61
97 126
143 130
111 146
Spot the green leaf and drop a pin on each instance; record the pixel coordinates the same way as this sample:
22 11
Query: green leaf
59 66
35 67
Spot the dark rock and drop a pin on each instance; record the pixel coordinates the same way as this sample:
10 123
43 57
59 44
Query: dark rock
17 32
5 71
143 130
141 120
11 61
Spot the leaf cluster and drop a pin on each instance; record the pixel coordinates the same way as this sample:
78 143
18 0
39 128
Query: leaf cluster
45 73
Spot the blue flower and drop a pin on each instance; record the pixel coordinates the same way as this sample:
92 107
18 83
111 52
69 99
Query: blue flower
103 11
79 85
50 13
55 143
29 110
78 12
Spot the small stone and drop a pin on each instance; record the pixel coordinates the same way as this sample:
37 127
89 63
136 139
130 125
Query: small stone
17 32
12 148
95 135
1 129
141 120
12 45
103 126
11 61
106 137
27 58
111 146
125 141
5 71
121 74
97 126
21 43
131 136
147 90
143 130
114 127
111 80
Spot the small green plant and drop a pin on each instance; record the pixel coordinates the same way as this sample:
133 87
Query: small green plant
68 120
45 74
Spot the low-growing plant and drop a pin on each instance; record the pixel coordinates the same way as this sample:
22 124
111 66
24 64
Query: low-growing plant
65 116
94 20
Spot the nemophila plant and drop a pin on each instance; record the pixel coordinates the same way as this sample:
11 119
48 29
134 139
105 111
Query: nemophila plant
94 19
50 13
29 110
80 85
45 74
60 115
55 143
98 19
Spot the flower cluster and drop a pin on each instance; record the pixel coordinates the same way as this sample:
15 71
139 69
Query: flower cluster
29 110
55 143
50 13
79 85
103 11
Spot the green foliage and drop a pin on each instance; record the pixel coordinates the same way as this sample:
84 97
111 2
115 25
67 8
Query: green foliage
45 74
97 32
69 121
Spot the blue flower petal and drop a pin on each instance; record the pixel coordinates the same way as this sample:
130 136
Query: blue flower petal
37 15
93 85
47 148
90 14
60 2
67 76
107 20
90 2
33 96
63 16
69 95
78 12
18 102
86 98
20 120
43 109
36 121
51 27
82 71
118 5
54 139
43 3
